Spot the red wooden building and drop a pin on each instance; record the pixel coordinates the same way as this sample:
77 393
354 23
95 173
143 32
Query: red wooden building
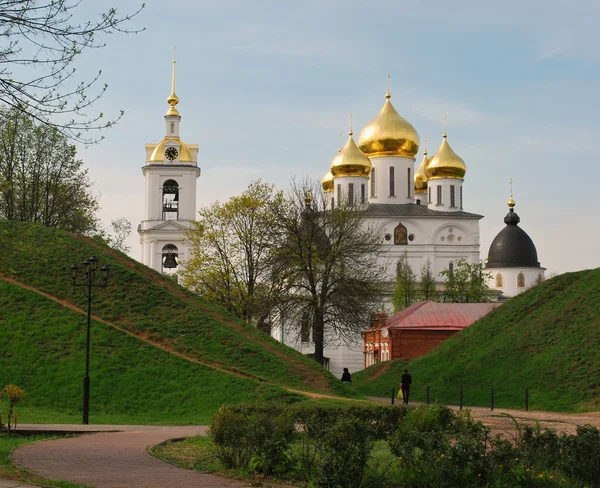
418 329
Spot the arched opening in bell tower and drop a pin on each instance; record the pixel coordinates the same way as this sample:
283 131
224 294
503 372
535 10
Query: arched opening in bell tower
170 200
169 259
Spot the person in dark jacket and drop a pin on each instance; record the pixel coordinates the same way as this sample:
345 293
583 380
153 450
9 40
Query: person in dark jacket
346 377
405 383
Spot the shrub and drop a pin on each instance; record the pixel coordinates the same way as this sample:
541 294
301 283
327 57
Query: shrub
580 455
255 436
14 394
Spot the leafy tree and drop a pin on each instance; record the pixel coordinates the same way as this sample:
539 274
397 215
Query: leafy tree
466 283
407 288
41 42
231 247
328 259
427 286
41 179
121 228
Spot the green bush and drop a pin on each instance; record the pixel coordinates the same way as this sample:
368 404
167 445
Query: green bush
431 446
254 436
580 455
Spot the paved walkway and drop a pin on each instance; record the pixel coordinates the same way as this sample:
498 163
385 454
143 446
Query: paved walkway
111 459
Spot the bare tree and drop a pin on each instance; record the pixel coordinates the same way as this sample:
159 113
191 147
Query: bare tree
329 260
41 41
121 230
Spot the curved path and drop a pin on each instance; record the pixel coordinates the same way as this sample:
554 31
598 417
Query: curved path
113 459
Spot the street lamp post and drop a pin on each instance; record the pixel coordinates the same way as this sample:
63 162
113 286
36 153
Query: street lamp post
90 266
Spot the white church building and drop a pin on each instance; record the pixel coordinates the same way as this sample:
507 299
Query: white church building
420 212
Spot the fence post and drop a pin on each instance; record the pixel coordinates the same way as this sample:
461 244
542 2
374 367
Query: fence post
492 398
461 398
393 395
526 399
427 398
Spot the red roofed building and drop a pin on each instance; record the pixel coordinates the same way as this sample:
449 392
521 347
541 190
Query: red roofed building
418 329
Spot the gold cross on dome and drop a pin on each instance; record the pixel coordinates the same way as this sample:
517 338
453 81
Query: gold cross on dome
444 119
388 94
350 133
511 191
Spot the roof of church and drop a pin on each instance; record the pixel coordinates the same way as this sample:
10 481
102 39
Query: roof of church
512 247
413 210
430 315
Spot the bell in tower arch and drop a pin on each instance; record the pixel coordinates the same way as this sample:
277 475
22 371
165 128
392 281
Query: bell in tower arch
169 254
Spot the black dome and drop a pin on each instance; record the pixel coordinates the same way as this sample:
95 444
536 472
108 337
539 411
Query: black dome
512 247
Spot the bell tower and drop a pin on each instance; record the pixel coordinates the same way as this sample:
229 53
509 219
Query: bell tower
170 174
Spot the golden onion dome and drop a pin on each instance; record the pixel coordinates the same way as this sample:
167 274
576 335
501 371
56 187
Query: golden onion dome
420 176
327 182
388 134
350 161
158 155
445 163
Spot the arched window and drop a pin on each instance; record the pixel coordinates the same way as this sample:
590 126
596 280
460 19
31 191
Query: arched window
498 280
520 280
451 267
172 127
400 235
170 200
169 258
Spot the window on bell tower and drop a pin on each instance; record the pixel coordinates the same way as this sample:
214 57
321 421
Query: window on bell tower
172 127
170 200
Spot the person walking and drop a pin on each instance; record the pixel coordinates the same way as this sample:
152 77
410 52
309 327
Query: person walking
405 383
346 377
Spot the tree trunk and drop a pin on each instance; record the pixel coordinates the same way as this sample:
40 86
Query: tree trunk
318 336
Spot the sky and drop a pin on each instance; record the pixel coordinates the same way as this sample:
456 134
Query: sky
265 88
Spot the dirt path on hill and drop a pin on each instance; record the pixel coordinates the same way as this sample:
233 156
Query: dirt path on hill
163 345
317 381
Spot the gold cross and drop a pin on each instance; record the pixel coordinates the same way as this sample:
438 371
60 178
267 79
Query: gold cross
350 133
425 144
511 192
444 119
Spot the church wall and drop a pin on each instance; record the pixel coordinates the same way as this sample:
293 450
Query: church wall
446 184
403 188
343 191
438 239
509 279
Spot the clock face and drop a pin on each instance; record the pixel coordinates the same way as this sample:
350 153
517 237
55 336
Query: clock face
171 153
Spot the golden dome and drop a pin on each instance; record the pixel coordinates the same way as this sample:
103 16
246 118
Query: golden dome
388 134
420 176
445 163
158 155
350 161
327 182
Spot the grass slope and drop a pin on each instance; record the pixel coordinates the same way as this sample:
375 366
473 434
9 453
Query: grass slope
545 339
42 350
43 341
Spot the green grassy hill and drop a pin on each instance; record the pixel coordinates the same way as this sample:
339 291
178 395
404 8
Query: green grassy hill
158 351
545 339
